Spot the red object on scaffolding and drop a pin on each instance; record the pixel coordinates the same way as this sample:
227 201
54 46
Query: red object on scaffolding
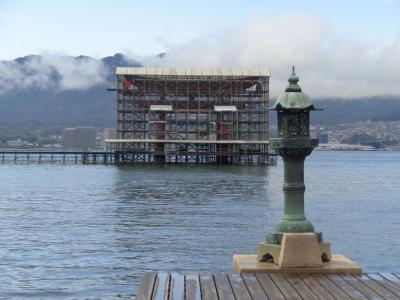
128 84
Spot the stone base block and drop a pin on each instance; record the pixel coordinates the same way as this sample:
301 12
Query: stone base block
337 264
300 250
297 250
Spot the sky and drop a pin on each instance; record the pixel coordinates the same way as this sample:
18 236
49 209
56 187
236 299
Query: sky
331 43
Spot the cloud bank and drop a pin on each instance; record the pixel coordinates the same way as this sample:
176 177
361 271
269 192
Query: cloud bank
329 65
51 71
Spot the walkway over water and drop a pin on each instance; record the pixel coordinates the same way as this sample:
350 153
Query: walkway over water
217 286
98 157
60 156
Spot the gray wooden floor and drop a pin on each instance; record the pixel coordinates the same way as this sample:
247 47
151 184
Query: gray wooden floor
218 286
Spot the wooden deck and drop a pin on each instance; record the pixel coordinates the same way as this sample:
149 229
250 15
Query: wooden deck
226 286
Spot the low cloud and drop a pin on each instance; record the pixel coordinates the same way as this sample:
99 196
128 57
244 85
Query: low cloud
329 65
51 71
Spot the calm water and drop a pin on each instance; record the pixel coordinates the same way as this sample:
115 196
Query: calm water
91 231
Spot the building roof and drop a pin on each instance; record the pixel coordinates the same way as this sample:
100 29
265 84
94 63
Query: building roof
244 72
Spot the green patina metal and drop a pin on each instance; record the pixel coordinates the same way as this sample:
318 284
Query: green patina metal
293 98
293 145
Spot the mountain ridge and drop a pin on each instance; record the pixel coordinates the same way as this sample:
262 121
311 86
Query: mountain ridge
40 90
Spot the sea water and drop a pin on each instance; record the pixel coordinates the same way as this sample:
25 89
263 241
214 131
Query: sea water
91 231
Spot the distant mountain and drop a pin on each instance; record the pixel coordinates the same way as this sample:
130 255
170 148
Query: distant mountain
336 110
62 91
40 90
117 60
379 108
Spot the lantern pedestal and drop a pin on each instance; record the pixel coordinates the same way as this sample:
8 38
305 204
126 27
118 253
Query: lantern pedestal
248 263
298 250
293 238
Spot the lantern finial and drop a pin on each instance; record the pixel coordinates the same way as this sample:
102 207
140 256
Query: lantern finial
293 80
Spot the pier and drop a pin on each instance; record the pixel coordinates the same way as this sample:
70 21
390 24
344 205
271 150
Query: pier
216 286
104 157
57 156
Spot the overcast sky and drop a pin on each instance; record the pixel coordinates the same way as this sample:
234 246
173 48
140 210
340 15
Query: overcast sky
332 43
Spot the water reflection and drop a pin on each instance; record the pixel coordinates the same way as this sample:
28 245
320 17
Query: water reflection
176 216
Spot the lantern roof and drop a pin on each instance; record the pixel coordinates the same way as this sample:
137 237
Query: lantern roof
293 97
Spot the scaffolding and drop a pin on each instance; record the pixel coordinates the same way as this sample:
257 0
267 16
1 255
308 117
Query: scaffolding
191 115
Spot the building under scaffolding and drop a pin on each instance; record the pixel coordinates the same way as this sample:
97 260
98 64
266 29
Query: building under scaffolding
192 115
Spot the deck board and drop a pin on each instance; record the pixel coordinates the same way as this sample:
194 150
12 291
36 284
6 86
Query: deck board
192 287
161 286
393 278
253 285
319 291
269 286
347 287
302 289
147 286
239 287
176 287
386 283
223 285
359 285
284 286
331 287
207 286
260 286
377 287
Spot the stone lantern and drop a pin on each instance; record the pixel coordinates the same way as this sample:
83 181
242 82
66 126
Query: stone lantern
293 145
293 245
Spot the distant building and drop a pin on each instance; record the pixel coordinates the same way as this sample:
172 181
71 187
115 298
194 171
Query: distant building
83 137
323 138
16 143
110 133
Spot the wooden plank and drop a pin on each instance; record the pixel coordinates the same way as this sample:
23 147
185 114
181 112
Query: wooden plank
192 287
224 288
376 287
300 287
345 286
146 286
177 287
391 277
254 287
359 285
386 283
331 287
320 291
207 287
269 286
161 286
284 286
239 287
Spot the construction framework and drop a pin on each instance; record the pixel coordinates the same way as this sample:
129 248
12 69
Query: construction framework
191 115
